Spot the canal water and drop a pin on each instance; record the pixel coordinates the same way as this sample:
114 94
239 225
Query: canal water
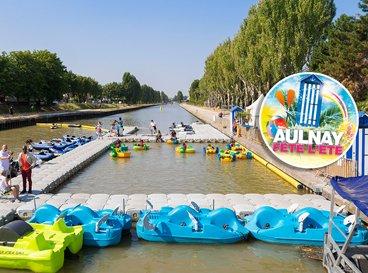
161 170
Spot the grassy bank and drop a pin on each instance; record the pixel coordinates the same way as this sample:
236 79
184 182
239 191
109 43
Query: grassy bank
22 109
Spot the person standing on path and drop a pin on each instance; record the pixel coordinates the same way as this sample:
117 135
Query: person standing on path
121 126
27 161
5 157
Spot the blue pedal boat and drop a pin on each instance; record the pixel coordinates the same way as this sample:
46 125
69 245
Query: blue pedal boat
101 229
60 145
45 155
42 145
183 224
306 226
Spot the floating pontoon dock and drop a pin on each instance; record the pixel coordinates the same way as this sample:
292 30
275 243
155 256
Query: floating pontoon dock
202 133
242 204
54 173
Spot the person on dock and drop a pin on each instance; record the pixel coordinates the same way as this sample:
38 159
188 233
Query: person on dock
159 137
29 144
113 128
235 126
153 127
27 161
238 130
121 127
5 157
7 187
173 134
99 130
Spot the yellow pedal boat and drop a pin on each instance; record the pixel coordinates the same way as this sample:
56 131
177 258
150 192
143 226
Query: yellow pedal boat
38 247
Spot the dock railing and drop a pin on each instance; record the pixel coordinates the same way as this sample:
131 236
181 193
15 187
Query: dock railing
343 167
334 255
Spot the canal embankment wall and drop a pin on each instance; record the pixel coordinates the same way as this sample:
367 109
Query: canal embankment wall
11 122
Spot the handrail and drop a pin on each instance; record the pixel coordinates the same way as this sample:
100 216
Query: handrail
341 232
333 246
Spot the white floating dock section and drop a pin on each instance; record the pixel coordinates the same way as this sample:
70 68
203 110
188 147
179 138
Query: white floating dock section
53 173
242 204
202 133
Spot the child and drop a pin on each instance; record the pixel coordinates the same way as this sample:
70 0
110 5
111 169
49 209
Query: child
5 187
173 135
159 136
118 143
99 130
185 145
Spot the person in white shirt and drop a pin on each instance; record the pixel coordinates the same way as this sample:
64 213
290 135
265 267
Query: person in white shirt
5 157
153 127
6 186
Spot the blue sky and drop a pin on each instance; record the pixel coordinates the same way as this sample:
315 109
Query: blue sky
164 43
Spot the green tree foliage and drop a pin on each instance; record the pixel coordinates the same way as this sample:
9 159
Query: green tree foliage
132 88
40 76
131 91
113 91
83 88
164 97
179 97
32 75
6 76
194 93
343 54
275 40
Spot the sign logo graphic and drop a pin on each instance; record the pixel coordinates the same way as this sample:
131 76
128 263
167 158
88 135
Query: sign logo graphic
308 120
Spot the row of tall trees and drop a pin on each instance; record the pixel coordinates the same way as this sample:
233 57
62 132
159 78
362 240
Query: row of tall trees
32 75
131 91
343 53
40 77
179 97
279 38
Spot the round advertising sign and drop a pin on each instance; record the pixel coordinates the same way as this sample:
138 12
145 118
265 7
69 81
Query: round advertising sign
308 120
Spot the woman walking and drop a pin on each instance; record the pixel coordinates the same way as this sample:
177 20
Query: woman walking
26 162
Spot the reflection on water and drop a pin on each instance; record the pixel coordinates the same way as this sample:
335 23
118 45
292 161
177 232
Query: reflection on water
15 138
140 256
161 170
141 118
